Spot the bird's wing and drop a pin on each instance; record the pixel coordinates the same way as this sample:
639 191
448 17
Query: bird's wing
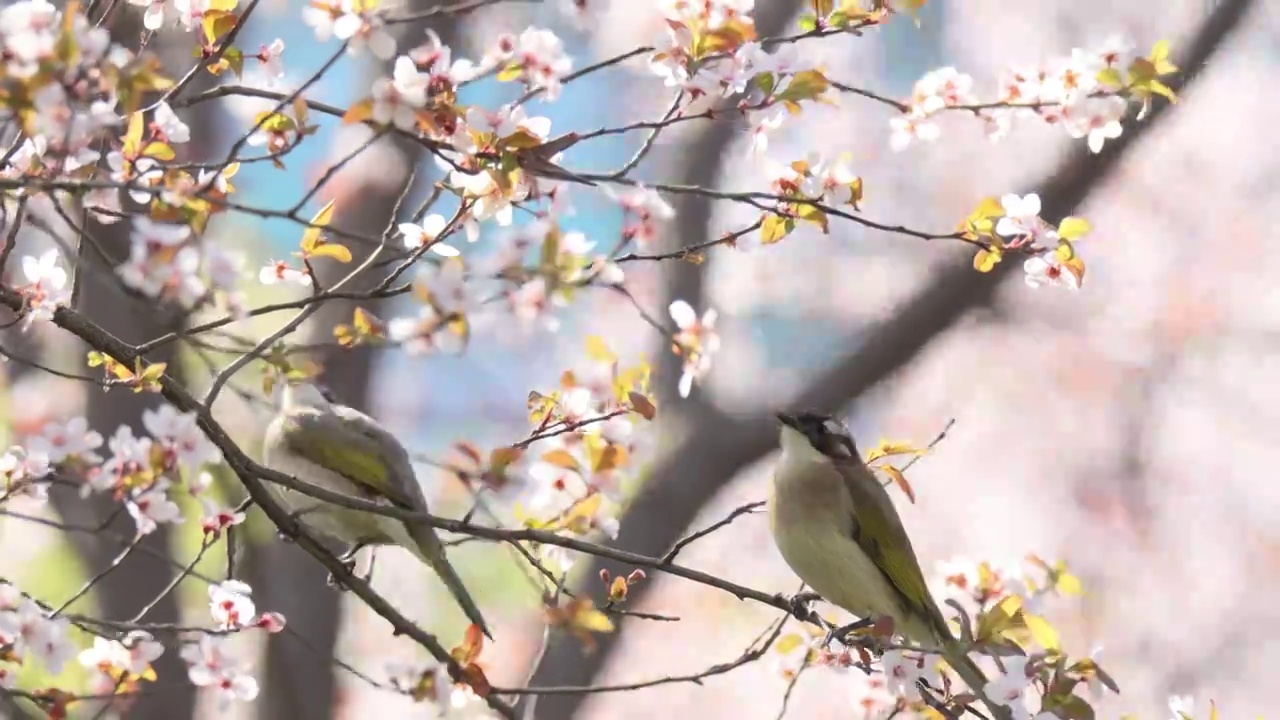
354 450
879 532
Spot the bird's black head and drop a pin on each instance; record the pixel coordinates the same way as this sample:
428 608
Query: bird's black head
326 393
827 434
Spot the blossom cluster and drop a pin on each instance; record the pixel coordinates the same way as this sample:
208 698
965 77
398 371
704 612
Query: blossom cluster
571 475
1087 94
1001 602
710 49
32 633
139 471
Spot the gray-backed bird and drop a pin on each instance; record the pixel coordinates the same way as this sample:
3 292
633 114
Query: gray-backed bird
341 449
837 528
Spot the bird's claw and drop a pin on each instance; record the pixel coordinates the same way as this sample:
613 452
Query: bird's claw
799 604
842 633
334 582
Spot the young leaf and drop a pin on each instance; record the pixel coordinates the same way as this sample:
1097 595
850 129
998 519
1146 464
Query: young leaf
642 404
1072 228
1045 635
598 350
561 459
159 151
985 259
788 642
775 227
133 136
901 481
311 236
331 250
358 112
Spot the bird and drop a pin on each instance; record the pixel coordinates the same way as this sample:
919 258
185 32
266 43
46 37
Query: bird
836 527
318 441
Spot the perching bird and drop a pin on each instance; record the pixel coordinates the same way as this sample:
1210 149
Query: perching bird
836 526
338 448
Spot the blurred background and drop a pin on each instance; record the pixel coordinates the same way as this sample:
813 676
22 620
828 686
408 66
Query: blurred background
1128 429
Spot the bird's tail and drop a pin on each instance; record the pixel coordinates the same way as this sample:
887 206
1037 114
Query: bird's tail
432 552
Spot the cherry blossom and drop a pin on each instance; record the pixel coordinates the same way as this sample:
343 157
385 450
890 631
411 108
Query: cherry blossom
488 197
646 210
543 59
830 181
129 455
271 57
436 59
697 340
415 236
1021 215
1048 269
272 622
142 173
424 333
901 673
111 657
72 440
362 29
180 436
279 271
1098 120
910 127
45 288
217 518
210 664
230 604
531 303
175 131
152 507
1183 707
1008 689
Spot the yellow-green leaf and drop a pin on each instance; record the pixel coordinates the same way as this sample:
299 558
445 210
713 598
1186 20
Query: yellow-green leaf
1068 584
560 458
510 72
593 620
1073 227
805 85
1110 77
812 214
311 236
598 350
159 151
1159 58
986 258
642 404
982 220
1045 635
775 227
788 642
358 112
331 250
133 136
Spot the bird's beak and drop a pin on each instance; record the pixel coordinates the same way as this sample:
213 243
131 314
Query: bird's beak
787 419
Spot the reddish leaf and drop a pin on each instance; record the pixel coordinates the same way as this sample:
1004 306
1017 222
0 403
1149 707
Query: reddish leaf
901 481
